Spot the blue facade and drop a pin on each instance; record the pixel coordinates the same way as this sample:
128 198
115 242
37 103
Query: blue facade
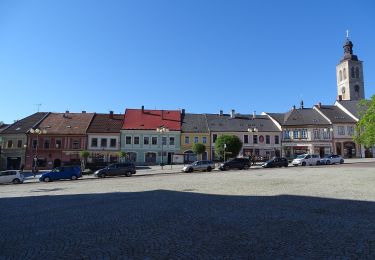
145 146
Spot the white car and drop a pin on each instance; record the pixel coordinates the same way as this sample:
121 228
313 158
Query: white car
307 159
205 165
11 176
332 159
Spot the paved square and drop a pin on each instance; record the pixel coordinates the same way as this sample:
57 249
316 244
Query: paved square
295 212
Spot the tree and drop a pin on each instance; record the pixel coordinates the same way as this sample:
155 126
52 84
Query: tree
84 155
122 155
199 149
232 147
365 128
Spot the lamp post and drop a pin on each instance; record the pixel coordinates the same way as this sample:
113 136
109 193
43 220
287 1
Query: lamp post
162 129
225 146
252 130
37 132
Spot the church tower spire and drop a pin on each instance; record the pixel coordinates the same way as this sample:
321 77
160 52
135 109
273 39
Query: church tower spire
349 74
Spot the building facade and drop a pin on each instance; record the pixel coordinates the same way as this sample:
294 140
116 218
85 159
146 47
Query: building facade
151 137
14 141
194 129
103 138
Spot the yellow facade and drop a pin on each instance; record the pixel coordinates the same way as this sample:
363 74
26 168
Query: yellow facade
188 140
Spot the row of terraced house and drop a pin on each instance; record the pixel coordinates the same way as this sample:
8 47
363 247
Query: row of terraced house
58 138
52 139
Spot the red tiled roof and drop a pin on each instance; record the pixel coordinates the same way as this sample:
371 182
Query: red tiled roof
106 123
152 119
67 123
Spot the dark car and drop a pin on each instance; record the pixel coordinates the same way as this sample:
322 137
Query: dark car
127 169
236 163
64 172
276 162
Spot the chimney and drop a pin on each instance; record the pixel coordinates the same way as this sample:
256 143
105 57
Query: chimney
294 107
143 109
254 114
221 112
301 104
83 112
339 98
183 111
320 104
111 114
232 113
67 112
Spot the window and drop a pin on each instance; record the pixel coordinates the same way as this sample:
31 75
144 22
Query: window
76 144
10 144
112 142
340 75
304 133
341 130
268 139
34 143
246 139
154 140
58 143
277 139
356 88
214 136
103 142
146 140
187 140
286 134
171 140
136 140
164 140
47 143
204 139
316 134
357 73
344 73
350 130
295 134
128 140
255 139
196 139
353 74
19 143
94 142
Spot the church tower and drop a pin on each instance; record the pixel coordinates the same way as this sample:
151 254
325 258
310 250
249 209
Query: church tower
349 74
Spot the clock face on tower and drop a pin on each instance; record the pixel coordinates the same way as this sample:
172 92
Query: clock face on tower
343 90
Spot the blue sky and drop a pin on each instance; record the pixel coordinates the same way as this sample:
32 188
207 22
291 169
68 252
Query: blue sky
199 55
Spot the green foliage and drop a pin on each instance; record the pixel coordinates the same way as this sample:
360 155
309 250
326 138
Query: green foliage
233 146
199 148
122 155
365 128
84 154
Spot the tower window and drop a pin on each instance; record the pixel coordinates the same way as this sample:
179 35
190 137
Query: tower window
356 88
353 74
357 73
344 72
340 73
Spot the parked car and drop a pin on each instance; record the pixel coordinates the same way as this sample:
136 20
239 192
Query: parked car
127 169
72 172
307 159
204 165
236 163
11 176
332 159
276 162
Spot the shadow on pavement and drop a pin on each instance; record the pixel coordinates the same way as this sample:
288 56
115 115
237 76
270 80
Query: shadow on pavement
169 224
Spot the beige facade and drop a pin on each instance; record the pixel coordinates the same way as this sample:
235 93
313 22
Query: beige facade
189 139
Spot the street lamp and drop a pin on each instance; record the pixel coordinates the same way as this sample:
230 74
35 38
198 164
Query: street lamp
162 129
37 132
252 130
225 146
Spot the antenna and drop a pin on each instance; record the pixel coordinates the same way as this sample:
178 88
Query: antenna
38 105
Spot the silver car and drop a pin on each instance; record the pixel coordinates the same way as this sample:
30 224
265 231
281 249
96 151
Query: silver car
204 165
332 159
11 176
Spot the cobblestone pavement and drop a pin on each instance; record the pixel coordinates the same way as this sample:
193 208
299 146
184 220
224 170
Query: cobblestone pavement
293 213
